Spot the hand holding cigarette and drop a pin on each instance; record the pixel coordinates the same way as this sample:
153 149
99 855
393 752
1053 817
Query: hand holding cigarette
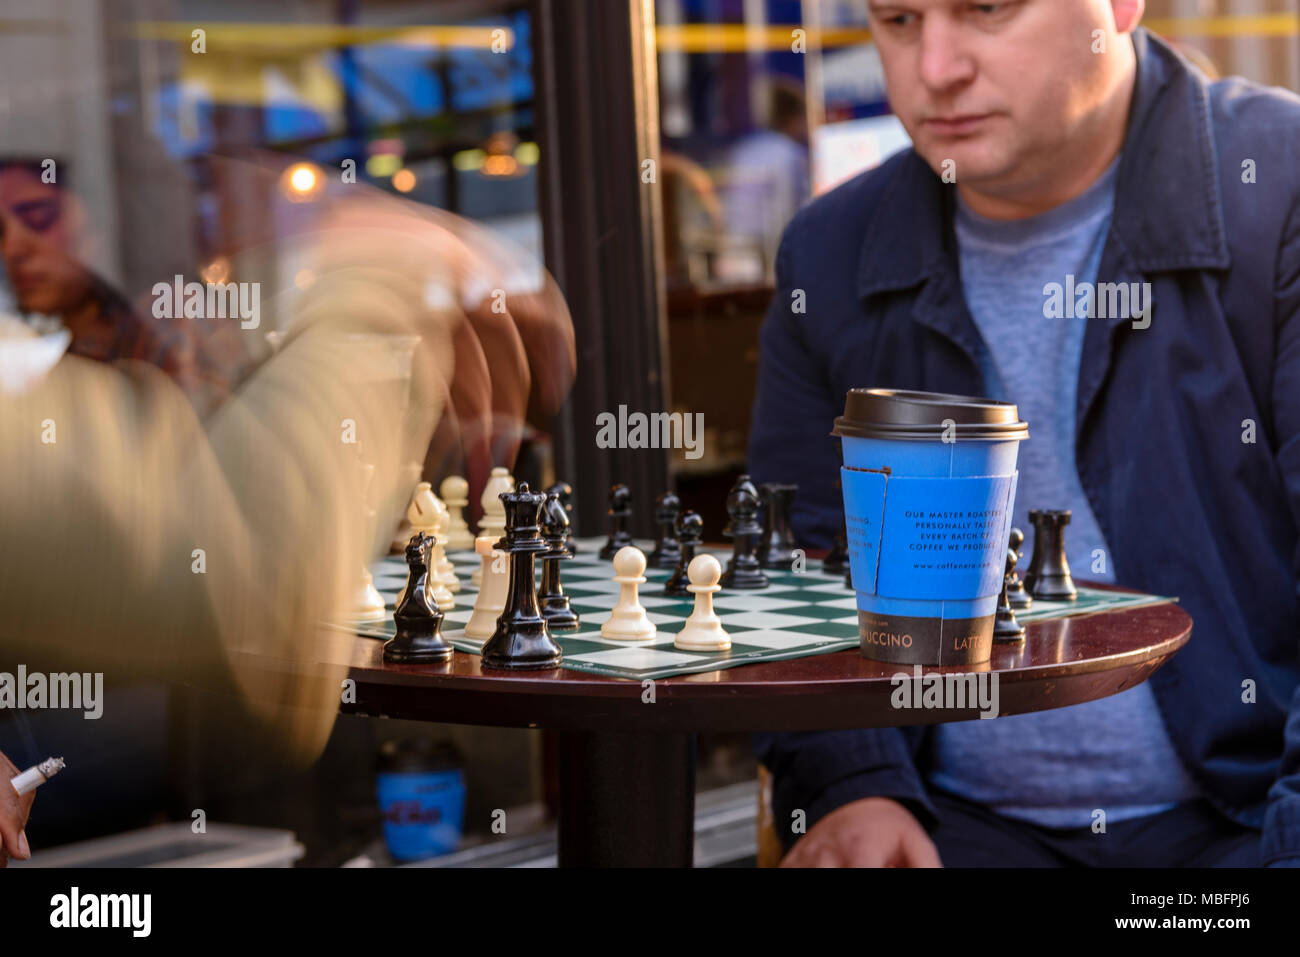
14 808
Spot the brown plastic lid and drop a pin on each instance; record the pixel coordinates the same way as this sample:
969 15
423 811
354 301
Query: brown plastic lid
900 414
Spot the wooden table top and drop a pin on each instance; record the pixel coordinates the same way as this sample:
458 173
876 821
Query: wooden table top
1061 662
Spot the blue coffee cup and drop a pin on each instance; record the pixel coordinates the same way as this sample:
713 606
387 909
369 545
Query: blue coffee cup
929 483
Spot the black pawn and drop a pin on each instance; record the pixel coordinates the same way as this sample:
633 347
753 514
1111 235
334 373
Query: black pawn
1049 572
557 611
620 510
743 570
667 507
1005 626
521 640
419 622
565 492
690 533
778 545
836 561
1016 592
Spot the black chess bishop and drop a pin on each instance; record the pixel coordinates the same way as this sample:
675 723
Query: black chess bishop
1005 626
522 639
689 529
666 551
554 603
744 530
620 510
1017 594
417 616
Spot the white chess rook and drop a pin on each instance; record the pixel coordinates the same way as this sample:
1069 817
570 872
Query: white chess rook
628 621
494 511
703 629
491 601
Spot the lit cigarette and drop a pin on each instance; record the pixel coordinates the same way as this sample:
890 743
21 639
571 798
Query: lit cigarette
36 775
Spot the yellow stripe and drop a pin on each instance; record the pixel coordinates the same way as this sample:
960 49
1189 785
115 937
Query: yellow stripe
243 37
739 38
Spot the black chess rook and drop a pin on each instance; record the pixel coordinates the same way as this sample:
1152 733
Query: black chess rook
1048 577
418 618
777 547
743 570
522 640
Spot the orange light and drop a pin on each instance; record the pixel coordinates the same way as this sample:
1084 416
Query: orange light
403 181
302 182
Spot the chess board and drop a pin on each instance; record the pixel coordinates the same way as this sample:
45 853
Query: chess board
805 613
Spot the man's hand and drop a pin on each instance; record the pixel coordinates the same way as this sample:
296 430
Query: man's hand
873 832
13 815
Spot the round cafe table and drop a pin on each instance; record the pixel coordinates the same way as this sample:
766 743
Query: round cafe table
627 764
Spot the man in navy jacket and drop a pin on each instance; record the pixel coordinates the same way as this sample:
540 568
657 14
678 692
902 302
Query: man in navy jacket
1183 421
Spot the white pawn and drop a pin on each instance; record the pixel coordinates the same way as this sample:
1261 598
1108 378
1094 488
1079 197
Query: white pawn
494 510
703 630
455 492
368 604
628 621
491 601
443 570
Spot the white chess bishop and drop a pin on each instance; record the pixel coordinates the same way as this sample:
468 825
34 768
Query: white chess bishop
367 603
443 570
494 511
703 629
455 492
628 621
491 601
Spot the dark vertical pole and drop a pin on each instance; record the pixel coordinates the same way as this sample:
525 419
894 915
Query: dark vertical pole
627 799
598 125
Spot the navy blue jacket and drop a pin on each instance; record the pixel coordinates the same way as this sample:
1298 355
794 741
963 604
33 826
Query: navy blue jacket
1188 506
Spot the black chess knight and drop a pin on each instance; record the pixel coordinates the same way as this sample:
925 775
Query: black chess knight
419 621
565 493
521 640
743 570
690 533
554 603
777 546
1048 577
666 553
620 510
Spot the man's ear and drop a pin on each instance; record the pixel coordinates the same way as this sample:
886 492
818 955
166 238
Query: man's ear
1128 14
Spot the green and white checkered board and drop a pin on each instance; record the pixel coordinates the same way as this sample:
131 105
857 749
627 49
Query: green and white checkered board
806 613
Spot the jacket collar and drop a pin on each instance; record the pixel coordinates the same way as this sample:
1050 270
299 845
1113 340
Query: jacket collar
1168 211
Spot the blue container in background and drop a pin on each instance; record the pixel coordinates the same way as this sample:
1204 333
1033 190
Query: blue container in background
929 485
421 793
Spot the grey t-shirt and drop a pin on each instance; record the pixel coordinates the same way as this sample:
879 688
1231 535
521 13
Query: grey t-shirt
1053 768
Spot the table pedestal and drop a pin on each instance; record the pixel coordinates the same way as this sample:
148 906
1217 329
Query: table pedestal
627 799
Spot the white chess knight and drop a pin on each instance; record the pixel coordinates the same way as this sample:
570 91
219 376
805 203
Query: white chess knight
426 514
367 603
494 510
628 621
491 601
455 492
703 629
